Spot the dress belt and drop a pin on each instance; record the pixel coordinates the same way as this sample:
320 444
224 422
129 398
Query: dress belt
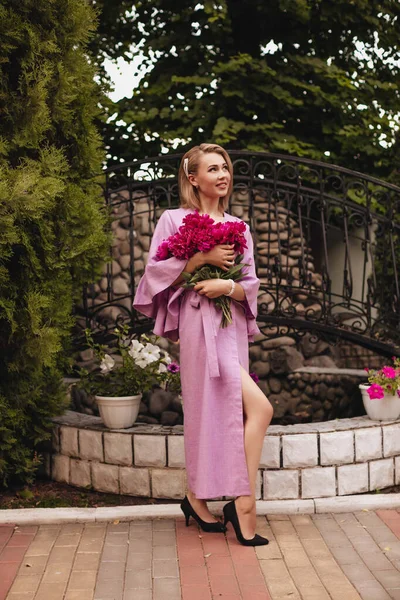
210 328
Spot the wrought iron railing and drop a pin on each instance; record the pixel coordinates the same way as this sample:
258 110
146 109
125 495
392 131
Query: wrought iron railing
326 245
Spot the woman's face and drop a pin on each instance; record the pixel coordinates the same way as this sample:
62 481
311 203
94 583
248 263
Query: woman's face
212 178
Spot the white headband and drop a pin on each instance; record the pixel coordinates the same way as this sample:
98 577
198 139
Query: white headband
185 167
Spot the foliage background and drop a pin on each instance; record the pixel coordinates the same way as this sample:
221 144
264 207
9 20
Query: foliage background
53 232
313 78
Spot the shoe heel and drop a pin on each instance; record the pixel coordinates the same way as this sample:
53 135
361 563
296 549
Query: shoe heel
187 517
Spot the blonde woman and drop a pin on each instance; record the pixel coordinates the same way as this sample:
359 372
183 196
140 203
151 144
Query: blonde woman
226 415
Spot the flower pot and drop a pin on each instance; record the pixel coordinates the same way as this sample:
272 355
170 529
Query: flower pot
118 412
384 409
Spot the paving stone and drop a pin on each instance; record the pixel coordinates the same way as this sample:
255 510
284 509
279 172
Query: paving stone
91 445
371 590
166 588
138 579
300 450
134 482
270 454
165 568
69 441
337 448
149 450
282 484
381 474
352 479
118 449
368 444
176 451
318 482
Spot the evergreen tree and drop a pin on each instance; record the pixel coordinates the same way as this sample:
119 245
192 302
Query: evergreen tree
313 78
52 226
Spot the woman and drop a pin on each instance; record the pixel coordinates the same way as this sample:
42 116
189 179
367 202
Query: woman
226 414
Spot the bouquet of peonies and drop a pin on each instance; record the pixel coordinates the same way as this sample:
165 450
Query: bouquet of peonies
386 380
200 233
128 367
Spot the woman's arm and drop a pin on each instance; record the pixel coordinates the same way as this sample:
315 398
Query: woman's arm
192 264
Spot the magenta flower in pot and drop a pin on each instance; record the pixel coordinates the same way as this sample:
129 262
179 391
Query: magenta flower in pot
381 396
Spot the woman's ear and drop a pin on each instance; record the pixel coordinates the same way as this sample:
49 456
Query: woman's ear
192 179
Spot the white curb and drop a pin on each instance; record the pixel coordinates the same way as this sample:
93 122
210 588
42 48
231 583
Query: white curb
340 504
49 516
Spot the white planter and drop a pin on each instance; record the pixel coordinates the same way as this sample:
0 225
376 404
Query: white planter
384 409
118 412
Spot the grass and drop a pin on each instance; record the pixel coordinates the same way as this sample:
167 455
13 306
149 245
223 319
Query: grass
50 494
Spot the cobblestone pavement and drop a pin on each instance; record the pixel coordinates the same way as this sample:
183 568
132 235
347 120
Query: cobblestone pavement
317 557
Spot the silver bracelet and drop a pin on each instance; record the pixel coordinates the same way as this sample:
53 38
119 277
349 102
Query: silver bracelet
233 284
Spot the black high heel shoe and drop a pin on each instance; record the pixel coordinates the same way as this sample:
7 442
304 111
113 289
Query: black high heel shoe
188 511
230 514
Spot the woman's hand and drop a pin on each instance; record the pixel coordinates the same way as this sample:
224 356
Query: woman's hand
212 288
222 256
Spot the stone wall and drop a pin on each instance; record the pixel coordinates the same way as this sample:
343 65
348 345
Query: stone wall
335 458
274 359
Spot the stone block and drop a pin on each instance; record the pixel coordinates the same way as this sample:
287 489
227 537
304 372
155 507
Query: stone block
391 440
271 451
300 450
60 468
55 439
46 465
105 478
91 445
118 449
337 448
368 444
134 482
352 479
281 485
381 474
149 450
69 441
258 490
319 482
80 473
397 470
168 483
176 451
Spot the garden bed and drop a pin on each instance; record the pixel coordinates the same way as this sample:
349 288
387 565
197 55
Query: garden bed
50 494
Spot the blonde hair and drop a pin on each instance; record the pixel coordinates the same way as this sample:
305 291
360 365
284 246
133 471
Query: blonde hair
189 195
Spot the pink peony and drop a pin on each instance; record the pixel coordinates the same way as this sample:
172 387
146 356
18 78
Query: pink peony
173 367
375 392
162 251
199 233
389 372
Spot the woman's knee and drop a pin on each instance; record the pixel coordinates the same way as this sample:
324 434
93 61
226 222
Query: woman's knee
268 412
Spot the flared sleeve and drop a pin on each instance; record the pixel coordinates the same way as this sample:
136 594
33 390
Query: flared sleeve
154 296
251 284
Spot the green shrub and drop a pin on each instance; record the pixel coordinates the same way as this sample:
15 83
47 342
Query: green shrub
53 231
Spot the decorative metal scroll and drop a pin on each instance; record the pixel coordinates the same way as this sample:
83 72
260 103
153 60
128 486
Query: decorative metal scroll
326 243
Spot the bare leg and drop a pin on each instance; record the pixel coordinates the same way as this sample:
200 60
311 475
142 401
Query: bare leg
200 506
258 413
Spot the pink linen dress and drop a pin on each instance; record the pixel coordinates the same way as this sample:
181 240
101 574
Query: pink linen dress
209 358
